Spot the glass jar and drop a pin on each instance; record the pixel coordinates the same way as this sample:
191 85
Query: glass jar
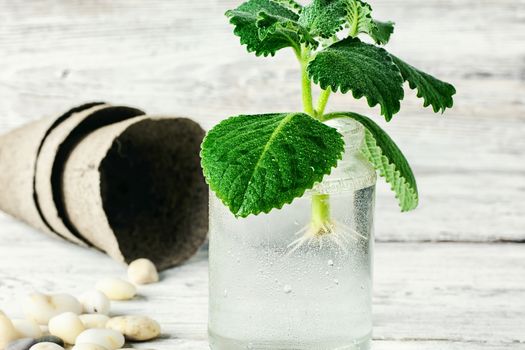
283 281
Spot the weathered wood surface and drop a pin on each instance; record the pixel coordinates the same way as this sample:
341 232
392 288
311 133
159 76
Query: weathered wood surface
431 296
179 57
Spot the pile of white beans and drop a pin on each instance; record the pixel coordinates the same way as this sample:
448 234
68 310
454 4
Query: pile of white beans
60 321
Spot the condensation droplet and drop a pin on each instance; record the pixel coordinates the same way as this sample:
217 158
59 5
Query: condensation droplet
225 293
336 281
330 262
287 289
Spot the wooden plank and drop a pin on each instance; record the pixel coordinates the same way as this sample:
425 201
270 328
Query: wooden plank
427 296
173 57
439 345
180 57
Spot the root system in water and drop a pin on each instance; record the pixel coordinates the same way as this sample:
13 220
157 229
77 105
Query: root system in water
322 230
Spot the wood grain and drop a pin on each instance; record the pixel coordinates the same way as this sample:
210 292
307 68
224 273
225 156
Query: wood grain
427 295
179 57
175 57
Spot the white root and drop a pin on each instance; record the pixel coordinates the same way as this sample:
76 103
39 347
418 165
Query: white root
330 233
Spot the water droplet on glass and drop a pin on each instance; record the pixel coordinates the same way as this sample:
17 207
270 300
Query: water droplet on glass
330 263
225 293
287 289
336 281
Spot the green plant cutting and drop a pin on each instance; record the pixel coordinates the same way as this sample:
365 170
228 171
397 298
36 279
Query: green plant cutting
257 163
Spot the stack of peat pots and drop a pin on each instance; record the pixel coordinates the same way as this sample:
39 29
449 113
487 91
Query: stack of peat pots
112 178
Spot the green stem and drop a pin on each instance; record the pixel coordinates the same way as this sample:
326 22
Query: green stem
320 202
320 210
306 83
323 100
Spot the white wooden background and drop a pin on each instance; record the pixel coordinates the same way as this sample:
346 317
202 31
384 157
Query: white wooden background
450 275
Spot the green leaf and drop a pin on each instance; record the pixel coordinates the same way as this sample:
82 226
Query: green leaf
359 17
382 31
270 25
323 18
387 158
290 5
434 91
364 69
360 21
265 26
256 163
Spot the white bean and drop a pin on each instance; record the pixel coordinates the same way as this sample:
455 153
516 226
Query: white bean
66 326
116 289
8 332
42 307
95 302
142 271
46 346
106 338
94 320
86 346
136 328
27 328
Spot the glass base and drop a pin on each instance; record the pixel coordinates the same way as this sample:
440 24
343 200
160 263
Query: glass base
220 343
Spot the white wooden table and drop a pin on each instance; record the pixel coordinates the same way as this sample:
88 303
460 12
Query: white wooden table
449 276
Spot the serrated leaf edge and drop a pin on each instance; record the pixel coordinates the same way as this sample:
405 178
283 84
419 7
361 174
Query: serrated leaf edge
389 172
236 32
291 5
450 100
390 32
371 101
398 178
302 35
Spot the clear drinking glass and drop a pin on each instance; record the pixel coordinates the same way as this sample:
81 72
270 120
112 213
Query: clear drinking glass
275 285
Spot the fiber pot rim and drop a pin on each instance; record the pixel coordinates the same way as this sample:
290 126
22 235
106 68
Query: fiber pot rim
160 185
